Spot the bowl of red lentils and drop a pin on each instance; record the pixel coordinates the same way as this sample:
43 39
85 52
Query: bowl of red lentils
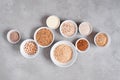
29 48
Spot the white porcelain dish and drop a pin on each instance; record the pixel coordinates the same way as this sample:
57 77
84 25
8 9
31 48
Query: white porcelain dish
8 36
109 39
80 50
26 55
36 33
69 63
53 22
66 35
90 27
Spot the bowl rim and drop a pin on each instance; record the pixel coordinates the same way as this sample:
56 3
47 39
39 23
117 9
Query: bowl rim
91 28
23 52
80 50
75 27
109 39
36 33
58 21
8 35
57 63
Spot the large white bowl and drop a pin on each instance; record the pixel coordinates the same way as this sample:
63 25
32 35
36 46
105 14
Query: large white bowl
36 33
23 52
69 63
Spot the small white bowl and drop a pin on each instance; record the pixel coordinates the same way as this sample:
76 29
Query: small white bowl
53 22
80 50
64 34
69 63
8 36
91 28
109 39
26 55
36 33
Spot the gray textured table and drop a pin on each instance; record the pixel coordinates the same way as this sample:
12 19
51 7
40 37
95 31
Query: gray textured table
28 15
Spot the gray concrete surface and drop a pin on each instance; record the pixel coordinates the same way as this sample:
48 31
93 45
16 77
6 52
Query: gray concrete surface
28 15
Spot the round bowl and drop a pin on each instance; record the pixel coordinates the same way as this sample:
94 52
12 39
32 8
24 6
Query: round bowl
36 33
64 34
8 36
109 40
51 22
91 28
23 53
69 63
80 50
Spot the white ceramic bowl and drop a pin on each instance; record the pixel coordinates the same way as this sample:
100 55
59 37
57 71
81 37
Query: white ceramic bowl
80 50
8 36
23 52
91 28
36 33
64 34
69 63
53 22
109 39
